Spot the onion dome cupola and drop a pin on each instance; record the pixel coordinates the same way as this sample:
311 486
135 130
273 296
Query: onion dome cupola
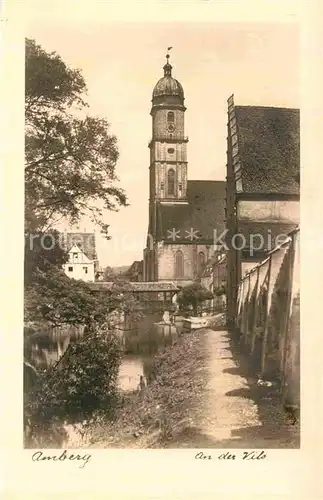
168 90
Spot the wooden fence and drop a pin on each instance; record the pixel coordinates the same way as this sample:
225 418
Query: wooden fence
268 317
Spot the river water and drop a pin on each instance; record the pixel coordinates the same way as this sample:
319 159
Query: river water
140 346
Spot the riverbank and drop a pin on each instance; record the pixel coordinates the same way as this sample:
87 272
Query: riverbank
202 395
155 416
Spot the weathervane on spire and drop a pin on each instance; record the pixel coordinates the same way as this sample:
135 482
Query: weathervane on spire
168 67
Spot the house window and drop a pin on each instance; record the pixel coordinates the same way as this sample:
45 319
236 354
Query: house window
179 264
85 270
170 117
171 151
200 263
70 269
171 182
75 255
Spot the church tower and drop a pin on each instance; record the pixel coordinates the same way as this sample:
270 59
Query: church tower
168 146
183 214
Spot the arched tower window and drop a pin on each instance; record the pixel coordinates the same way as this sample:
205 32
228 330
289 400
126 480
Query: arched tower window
179 264
170 117
200 263
171 182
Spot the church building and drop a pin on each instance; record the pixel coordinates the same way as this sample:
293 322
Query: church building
184 215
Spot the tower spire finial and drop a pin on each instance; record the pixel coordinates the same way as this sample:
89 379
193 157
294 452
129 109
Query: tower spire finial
168 67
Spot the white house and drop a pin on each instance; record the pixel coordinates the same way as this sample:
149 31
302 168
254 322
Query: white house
79 266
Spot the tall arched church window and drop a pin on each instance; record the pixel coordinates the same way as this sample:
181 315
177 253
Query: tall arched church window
171 182
179 264
200 262
170 117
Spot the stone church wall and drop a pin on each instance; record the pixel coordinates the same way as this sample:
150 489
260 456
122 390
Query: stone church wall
166 260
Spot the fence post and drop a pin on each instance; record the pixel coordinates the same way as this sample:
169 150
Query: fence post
286 319
264 342
247 313
243 310
255 315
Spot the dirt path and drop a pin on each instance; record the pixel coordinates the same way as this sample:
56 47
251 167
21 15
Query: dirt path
233 412
205 396
225 412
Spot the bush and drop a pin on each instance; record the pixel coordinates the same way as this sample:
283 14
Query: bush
221 290
192 296
82 382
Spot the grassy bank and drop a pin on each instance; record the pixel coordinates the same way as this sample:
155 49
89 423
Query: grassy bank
153 416
173 411
157 414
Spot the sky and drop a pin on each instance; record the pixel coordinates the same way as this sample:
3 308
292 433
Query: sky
121 63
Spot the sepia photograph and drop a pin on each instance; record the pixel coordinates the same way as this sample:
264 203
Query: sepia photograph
162 234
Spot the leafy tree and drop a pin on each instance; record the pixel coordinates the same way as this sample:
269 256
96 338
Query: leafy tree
55 298
221 290
83 382
112 273
70 157
121 299
108 274
70 161
70 169
42 251
193 295
50 296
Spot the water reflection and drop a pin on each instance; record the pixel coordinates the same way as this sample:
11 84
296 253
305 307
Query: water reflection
46 347
131 369
140 344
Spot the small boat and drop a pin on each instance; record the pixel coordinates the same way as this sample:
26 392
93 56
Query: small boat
194 323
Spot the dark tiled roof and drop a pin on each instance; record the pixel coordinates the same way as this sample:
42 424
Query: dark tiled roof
154 286
141 286
85 241
203 213
271 232
269 142
101 285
